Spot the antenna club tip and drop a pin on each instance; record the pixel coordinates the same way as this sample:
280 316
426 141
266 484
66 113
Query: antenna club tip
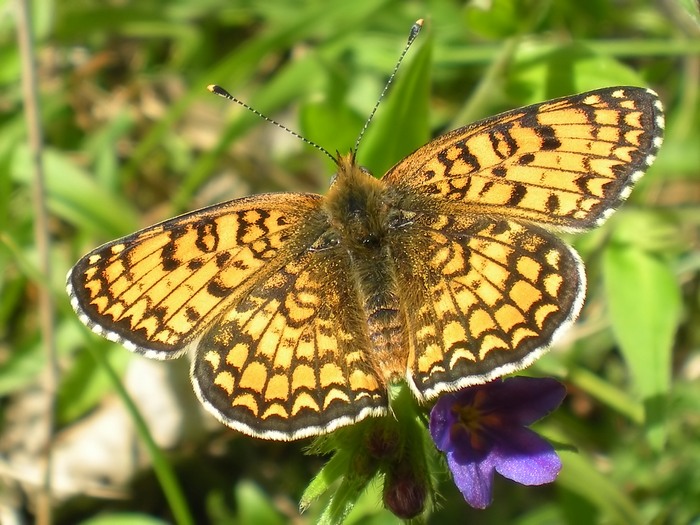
218 90
415 29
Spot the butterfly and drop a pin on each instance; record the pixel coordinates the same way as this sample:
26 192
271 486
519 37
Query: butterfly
300 310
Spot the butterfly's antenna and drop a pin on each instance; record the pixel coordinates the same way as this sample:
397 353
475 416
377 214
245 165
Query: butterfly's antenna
415 29
218 90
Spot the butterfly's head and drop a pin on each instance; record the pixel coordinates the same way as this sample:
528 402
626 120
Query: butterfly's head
356 206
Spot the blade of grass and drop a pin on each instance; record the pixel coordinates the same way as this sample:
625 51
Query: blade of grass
162 468
46 306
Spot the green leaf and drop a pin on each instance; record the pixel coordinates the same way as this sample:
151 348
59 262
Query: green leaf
692 8
255 507
607 393
350 465
288 84
328 119
401 124
85 383
333 470
367 509
73 195
542 72
645 305
124 519
579 476
500 19
21 368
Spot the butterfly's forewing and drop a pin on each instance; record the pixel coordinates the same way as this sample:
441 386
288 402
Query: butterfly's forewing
290 359
568 162
484 298
154 291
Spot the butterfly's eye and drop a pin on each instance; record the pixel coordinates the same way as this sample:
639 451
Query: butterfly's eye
371 241
400 218
329 239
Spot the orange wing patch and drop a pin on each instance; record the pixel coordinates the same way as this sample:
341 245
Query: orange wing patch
290 359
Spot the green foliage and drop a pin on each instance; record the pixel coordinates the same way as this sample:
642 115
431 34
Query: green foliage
123 519
132 137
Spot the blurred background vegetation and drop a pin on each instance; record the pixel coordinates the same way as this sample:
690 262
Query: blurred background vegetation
131 137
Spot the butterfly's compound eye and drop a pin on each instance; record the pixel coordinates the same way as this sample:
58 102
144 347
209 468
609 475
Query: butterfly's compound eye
400 218
326 241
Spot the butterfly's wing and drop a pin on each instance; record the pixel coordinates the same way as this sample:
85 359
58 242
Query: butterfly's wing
279 344
154 290
567 163
290 360
486 297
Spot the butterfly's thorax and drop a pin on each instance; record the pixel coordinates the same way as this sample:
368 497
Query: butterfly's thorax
363 218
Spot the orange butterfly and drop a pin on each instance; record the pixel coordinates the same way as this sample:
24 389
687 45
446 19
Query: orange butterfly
302 309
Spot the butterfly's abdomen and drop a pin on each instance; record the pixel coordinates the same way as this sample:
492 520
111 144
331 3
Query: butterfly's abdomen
385 323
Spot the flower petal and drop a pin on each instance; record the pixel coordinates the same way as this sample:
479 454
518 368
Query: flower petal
526 458
474 479
524 400
441 421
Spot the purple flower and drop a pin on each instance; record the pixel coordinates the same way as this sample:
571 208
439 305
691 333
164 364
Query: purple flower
483 429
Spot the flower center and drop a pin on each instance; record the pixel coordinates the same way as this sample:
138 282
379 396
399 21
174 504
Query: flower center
475 421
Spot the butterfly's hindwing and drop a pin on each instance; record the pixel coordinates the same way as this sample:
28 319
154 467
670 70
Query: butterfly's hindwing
487 297
290 358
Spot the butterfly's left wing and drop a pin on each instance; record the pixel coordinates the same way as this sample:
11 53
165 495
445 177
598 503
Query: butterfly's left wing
567 162
280 340
482 297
